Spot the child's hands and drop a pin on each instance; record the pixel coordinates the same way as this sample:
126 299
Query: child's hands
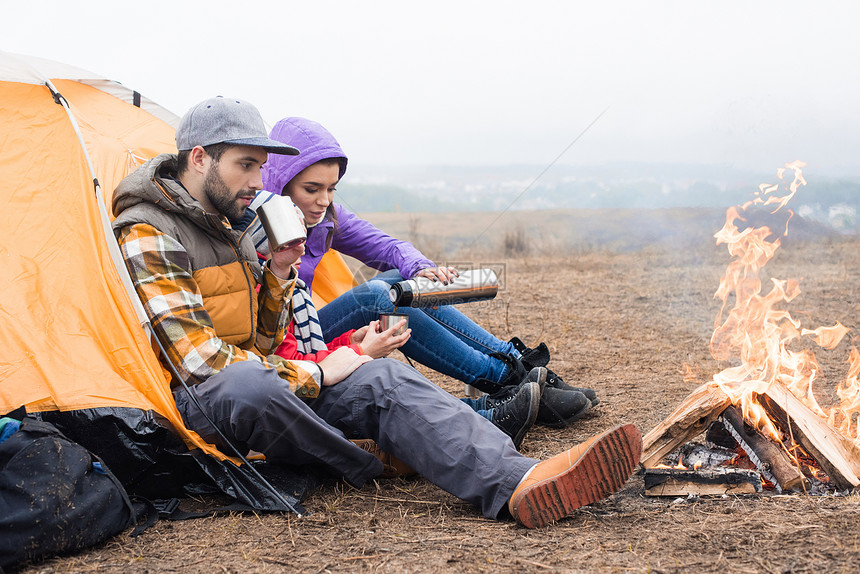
358 336
380 344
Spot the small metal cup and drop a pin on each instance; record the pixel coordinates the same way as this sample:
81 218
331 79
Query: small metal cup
282 224
388 320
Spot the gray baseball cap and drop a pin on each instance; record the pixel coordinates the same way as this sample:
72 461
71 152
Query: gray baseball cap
226 120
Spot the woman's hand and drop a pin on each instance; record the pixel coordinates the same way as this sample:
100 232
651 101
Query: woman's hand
443 274
380 344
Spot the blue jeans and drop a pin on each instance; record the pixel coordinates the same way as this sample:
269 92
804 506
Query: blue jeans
442 338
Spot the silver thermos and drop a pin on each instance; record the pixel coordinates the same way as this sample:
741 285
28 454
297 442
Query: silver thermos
471 285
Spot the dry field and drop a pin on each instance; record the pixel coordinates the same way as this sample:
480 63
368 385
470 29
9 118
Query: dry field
623 321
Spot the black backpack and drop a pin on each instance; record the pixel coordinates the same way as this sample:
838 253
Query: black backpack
55 496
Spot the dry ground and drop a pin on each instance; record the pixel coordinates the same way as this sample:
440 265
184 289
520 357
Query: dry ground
622 323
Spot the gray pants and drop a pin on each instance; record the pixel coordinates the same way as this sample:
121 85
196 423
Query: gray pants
408 416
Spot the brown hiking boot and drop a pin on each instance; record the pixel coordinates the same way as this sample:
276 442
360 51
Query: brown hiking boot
580 476
391 465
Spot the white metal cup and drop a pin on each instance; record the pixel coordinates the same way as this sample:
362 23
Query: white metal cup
283 225
388 320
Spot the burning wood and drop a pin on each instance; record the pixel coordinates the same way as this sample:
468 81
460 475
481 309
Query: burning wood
701 470
701 482
691 417
693 455
836 455
766 398
770 459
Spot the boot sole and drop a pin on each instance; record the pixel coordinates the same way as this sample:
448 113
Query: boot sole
599 472
541 378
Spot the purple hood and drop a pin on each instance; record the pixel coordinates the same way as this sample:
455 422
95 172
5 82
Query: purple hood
354 236
313 141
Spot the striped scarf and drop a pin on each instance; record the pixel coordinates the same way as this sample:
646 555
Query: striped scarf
306 323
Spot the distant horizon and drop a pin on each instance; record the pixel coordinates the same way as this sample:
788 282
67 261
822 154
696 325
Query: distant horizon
833 199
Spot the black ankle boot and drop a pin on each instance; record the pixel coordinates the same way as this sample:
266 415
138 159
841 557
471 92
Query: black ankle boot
516 416
506 394
539 357
561 407
554 381
515 374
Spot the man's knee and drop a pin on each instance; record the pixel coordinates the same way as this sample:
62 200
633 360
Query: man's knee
388 374
390 368
247 384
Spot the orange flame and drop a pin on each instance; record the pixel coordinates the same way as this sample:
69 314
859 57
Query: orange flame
755 333
827 337
689 375
844 416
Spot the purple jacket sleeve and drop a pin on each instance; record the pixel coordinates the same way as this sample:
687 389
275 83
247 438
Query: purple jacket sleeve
358 238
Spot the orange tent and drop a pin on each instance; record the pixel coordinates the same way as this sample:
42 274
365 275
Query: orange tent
71 337
331 279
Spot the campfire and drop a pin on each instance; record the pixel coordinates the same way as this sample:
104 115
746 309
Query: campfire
763 426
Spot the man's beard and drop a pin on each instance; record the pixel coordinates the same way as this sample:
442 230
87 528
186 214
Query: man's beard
219 195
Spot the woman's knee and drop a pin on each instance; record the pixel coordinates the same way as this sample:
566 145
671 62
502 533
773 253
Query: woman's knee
378 292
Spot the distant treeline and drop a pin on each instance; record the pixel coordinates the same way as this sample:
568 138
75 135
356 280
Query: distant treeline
835 202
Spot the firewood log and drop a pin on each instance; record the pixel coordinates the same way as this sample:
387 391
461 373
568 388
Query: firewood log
837 455
691 417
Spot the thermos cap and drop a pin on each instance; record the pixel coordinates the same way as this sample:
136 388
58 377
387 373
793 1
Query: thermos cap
400 293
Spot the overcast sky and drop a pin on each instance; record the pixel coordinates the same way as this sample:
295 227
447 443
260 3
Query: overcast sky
743 84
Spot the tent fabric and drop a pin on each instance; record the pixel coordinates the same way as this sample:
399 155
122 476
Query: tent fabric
332 279
71 338
73 346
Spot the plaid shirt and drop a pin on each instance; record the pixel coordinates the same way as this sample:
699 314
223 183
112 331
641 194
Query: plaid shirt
160 269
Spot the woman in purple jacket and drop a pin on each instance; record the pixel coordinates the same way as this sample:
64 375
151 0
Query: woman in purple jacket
442 338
